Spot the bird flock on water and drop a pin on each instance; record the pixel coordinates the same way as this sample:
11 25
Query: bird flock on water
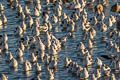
39 20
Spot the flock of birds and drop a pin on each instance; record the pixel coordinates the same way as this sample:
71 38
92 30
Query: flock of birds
36 38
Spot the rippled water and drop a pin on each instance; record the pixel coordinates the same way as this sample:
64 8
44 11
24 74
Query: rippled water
61 72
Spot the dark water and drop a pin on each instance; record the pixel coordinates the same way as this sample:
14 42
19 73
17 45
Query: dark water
61 72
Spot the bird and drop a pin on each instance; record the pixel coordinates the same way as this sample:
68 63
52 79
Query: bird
113 77
27 11
36 12
55 19
90 44
4 19
98 73
106 70
94 77
34 57
1 22
10 1
23 25
30 21
19 31
4 77
38 67
79 71
99 8
47 59
27 66
14 63
19 9
19 53
10 56
1 7
38 6
98 63
84 74
5 47
87 61
110 23
5 37
77 5
115 7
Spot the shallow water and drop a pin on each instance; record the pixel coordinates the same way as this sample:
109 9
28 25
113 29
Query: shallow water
61 72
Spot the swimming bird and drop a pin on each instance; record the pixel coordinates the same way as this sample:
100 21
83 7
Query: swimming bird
30 21
5 37
10 1
75 17
84 74
5 47
22 47
4 19
99 8
48 40
98 63
54 52
38 67
37 22
10 56
13 63
113 18
94 77
104 27
83 3
53 63
19 9
59 10
38 77
90 44
81 46
15 4
49 26
29 2
110 23
1 23
51 74
98 73
23 25
46 17
71 27
77 5
36 12
38 6
4 77
34 57
54 18
47 59
74 68
37 32
87 60
22 16
113 77
64 15
1 7
106 70
19 53
27 11
42 46
27 66
79 71
115 7
19 31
